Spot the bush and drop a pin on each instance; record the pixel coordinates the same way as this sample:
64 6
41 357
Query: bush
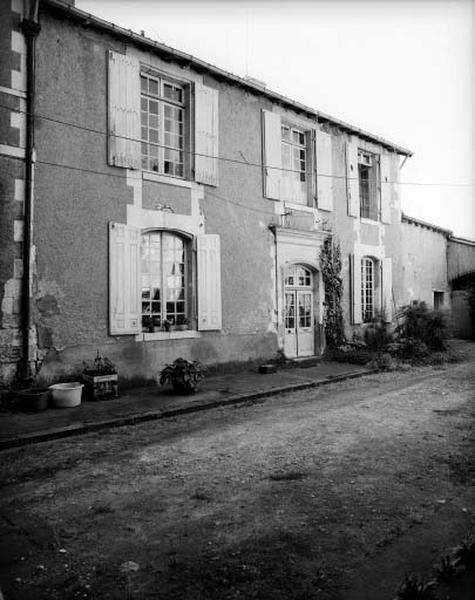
355 357
408 349
383 361
422 326
377 336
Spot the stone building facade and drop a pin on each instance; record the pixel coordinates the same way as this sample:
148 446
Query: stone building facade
174 209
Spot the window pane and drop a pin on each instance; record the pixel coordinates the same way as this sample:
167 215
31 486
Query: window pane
153 87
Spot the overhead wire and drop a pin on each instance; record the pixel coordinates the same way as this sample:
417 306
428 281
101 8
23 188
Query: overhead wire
259 165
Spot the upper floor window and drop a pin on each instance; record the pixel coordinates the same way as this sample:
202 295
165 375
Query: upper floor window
368 185
156 123
294 164
297 161
162 118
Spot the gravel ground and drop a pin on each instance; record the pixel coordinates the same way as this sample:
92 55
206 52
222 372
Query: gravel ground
333 493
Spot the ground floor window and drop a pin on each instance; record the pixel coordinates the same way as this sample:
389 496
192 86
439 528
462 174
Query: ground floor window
367 289
438 300
165 273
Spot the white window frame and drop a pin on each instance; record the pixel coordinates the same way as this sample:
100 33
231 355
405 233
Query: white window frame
162 81
295 181
368 289
369 161
186 322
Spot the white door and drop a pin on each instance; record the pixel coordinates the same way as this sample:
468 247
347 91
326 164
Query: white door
299 335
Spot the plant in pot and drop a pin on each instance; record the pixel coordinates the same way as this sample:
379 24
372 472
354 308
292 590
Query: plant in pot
184 375
147 323
100 378
182 323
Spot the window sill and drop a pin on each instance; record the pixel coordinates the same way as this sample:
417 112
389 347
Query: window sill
167 335
369 221
301 207
150 176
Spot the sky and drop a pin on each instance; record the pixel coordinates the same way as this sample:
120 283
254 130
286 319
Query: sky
401 70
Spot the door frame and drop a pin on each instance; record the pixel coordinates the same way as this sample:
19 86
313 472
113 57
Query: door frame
297 291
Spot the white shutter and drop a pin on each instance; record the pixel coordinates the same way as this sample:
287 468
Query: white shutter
387 286
209 282
352 183
124 111
206 134
385 188
272 155
124 279
324 171
355 274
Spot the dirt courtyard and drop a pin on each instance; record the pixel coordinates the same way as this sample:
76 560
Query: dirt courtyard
333 493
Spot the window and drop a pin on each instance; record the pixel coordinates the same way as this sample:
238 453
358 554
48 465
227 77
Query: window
162 118
438 300
294 164
151 283
368 186
367 289
165 270
294 153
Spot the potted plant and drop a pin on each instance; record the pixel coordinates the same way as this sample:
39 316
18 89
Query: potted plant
184 375
147 323
100 378
182 323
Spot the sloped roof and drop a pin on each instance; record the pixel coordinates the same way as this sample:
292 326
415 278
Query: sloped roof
183 58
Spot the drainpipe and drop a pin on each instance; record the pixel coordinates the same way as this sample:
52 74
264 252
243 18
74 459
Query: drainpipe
31 29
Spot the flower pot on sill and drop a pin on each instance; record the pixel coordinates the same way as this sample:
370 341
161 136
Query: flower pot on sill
33 399
101 387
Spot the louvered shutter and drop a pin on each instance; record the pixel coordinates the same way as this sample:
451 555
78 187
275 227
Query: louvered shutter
355 274
352 183
206 134
124 111
124 279
324 171
387 286
385 188
209 282
272 155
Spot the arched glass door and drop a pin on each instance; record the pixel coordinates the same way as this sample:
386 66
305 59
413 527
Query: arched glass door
299 339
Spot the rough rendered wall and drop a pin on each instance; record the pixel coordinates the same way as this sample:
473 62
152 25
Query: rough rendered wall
424 258
78 194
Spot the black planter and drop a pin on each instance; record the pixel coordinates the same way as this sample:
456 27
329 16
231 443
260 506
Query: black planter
33 399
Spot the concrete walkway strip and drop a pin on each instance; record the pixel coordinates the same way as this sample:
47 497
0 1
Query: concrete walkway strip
191 405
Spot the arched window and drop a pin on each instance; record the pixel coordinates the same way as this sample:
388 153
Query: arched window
298 276
367 289
165 270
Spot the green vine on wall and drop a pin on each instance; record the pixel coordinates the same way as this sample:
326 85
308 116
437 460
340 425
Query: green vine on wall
330 265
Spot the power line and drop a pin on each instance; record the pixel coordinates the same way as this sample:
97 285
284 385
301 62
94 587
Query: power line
221 158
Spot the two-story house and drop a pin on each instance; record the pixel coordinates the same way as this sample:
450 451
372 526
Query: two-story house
156 206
